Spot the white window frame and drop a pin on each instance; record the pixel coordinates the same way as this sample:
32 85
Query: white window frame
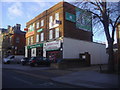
33 26
42 23
32 39
51 34
50 19
57 16
28 41
57 32
37 25
42 36
29 28
37 38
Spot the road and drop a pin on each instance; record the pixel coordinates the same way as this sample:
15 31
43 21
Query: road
18 78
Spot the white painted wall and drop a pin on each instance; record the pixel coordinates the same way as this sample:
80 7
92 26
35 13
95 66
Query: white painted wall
26 51
72 48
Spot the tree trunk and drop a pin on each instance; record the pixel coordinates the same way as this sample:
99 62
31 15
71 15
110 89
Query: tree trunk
111 57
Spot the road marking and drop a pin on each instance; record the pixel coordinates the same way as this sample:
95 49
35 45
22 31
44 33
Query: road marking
24 81
46 84
33 75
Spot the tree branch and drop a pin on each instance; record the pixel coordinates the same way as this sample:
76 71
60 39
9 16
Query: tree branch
96 15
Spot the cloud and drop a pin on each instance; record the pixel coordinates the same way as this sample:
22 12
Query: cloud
15 10
31 0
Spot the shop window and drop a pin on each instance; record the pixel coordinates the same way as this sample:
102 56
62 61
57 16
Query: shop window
42 23
57 33
37 25
50 34
37 38
42 36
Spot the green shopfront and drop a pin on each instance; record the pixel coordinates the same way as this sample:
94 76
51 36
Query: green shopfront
34 50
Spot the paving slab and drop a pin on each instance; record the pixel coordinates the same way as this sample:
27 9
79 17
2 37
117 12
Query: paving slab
90 79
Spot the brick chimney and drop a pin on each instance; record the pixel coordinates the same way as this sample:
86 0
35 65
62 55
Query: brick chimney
18 26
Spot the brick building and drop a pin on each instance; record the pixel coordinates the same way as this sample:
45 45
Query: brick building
13 41
45 32
2 31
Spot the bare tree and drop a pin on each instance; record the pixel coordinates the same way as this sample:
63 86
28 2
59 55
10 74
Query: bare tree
107 14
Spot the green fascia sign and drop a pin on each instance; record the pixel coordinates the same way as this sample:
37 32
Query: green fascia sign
83 19
70 17
52 49
39 30
34 46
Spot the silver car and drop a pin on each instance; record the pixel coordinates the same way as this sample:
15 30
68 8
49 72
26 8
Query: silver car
8 59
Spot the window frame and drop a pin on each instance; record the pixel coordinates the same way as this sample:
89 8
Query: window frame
51 34
42 37
37 38
42 23
57 32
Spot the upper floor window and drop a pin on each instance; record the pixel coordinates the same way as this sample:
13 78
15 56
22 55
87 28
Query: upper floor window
50 34
42 22
17 39
28 41
32 40
42 36
37 25
37 38
57 33
57 16
50 19
33 26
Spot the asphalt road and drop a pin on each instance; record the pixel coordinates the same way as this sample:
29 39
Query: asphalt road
12 78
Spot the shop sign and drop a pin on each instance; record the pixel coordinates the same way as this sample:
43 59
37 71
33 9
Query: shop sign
36 45
70 17
29 33
39 30
54 45
83 20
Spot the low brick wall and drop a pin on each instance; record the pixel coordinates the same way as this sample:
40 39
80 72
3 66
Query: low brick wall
69 63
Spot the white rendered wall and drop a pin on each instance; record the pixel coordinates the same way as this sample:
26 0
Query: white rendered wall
72 48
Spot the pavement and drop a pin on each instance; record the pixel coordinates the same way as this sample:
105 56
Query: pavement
89 77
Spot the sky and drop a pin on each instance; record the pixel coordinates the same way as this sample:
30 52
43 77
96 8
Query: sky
21 11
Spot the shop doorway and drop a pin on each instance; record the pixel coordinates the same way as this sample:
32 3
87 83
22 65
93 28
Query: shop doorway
54 56
29 53
39 52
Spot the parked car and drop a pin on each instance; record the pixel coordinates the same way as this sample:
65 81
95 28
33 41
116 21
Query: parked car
25 60
12 59
8 59
35 61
